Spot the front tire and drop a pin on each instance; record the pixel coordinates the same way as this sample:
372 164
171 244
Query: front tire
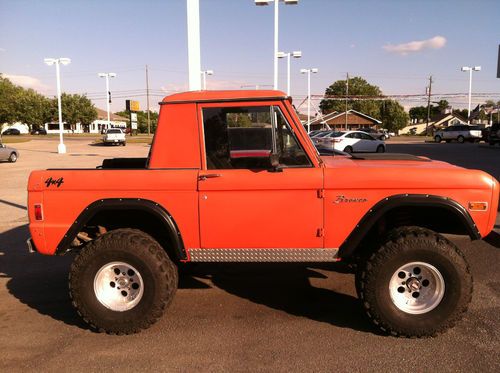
122 282
380 149
13 158
461 139
348 149
437 138
417 284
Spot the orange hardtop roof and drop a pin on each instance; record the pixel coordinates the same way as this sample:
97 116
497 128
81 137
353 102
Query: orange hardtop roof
228 95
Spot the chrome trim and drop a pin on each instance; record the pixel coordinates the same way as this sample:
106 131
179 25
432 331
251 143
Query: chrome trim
264 255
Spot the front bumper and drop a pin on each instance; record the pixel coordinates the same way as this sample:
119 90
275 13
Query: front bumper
31 246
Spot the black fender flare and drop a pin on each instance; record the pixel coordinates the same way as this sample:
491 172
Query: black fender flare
125 204
349 246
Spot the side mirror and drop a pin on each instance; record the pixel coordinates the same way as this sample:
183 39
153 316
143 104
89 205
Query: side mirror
274 159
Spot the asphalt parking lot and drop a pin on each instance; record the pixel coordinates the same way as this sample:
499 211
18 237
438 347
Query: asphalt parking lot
230 317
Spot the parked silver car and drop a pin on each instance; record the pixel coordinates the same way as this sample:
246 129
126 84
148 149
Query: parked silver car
8 154
459 132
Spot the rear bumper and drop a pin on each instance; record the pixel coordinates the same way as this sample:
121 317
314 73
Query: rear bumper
31 246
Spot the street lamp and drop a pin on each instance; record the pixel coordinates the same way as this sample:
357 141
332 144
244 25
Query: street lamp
204 73
108 93
308 72
61 148
294 54
276 19
470 69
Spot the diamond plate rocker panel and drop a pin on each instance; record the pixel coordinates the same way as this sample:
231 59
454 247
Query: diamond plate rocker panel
263 255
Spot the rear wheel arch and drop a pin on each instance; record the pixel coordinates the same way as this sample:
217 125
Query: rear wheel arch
440 214
135 213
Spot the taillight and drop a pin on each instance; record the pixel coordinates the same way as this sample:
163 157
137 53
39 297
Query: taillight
38 212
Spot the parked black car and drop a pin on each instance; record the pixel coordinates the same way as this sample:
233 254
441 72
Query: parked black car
39 131
494 134
11 131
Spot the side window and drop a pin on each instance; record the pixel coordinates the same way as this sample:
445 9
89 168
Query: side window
364 136
289 149
245 137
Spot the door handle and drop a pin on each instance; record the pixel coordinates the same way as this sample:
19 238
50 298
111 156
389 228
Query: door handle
208 176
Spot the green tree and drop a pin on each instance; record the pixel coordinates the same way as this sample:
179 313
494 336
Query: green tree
75 109
442 105
8 94
462 112
418 112
393 115
390 112
33 108
357 87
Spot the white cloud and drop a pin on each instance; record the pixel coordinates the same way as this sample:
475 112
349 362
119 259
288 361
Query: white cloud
172 87
27 82
437 42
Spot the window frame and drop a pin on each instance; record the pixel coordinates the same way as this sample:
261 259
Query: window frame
313 161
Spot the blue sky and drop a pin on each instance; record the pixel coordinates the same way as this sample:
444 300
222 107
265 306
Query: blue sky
237 43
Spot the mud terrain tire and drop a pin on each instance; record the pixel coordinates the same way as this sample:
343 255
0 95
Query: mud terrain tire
409 245
155 282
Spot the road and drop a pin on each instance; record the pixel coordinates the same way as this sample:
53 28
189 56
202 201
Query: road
230 317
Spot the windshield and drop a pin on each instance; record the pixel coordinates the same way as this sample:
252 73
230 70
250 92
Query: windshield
114 131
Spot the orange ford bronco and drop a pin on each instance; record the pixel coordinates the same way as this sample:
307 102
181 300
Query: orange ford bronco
233 177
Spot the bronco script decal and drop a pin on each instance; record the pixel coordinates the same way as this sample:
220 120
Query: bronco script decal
51 181
343 199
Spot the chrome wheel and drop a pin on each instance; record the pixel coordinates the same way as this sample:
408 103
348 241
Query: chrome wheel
416 288
118 286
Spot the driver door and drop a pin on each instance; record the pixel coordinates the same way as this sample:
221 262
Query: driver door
243 201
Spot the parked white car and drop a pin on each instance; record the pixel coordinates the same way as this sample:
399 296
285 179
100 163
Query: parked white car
349 142
459 132
114 136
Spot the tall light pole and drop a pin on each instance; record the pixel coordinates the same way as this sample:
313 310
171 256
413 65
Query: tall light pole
108 93
470 69
294 54
276 28
194 54
61 148
204 74
308 72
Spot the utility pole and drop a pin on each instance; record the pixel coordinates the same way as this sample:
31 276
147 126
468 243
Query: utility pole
147 100
346 95
428 106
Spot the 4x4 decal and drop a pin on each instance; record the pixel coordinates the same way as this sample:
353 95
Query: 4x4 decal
51 181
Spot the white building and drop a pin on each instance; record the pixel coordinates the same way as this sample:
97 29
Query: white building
97 126
23 128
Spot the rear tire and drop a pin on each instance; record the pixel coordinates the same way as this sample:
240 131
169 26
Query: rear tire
437 138
13 157
348 149
380 149
122 282
461 139
417 284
